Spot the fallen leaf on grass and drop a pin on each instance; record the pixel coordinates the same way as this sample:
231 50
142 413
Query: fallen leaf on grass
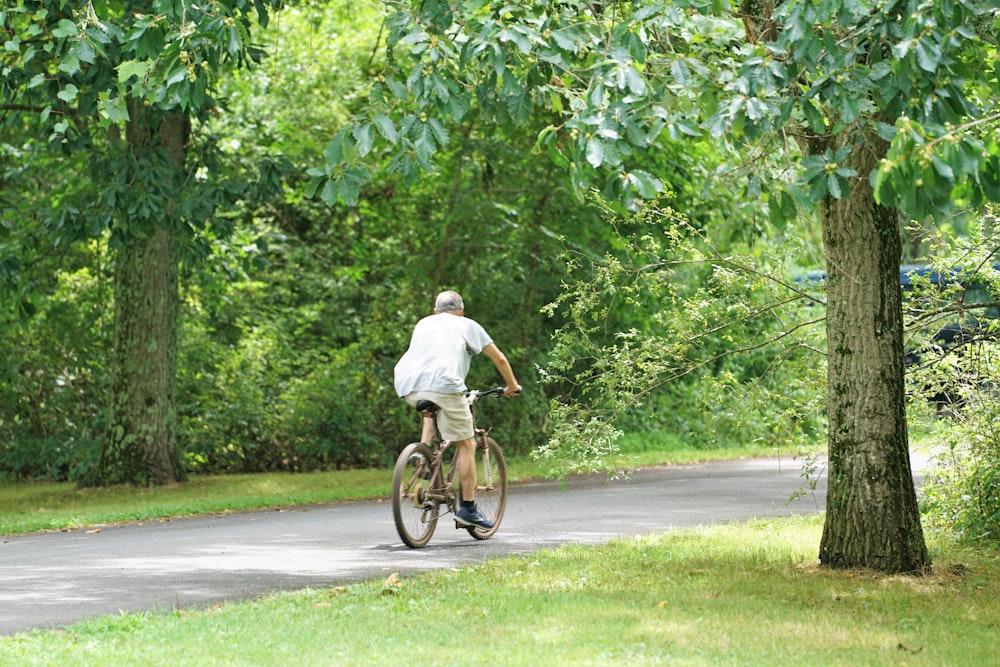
903 647
392 582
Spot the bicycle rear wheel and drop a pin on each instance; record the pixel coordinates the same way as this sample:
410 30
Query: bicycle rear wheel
414 512
491 485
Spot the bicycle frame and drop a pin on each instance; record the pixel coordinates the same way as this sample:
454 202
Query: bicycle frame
421 485
442 488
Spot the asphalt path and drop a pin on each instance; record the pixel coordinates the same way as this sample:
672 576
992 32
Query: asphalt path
56 579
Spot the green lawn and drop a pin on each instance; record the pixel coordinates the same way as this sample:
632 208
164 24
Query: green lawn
744 594
38 506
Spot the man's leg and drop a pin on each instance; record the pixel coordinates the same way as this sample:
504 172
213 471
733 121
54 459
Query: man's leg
467 513
466 451
427 429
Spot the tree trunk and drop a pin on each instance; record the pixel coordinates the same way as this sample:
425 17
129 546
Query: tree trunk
141 444
872 519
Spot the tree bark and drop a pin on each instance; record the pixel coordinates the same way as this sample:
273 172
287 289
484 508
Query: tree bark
872 518
141 444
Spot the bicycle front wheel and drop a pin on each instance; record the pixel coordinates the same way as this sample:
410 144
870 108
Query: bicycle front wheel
491 485
414 512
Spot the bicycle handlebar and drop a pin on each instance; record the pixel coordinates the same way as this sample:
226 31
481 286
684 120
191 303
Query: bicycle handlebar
475 395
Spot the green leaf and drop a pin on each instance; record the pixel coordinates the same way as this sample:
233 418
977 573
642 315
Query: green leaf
814 117
928 57
595 152
348 191
942 167
415 38
680 72
566 39
69 93
385 127
64 29
636 84
70 64
423 143
84 52
990 179
519 106
644 183
885 131
364 135
176 76
337 151
114 109
397 88
835 186
520 40
130 68
329 194
440 133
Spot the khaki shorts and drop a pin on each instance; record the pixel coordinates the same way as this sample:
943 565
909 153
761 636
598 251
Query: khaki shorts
454 419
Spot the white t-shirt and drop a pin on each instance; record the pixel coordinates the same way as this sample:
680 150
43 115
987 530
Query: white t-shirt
441 348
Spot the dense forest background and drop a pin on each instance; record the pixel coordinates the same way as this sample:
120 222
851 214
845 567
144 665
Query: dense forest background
291 321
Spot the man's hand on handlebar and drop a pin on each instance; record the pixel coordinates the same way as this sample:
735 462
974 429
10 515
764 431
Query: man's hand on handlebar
510 391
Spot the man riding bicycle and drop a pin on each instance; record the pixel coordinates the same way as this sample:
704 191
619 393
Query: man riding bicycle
433 368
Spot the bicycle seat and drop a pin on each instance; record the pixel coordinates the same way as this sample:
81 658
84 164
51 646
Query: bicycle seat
424 405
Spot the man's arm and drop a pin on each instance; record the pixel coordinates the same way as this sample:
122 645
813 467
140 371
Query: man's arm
500 361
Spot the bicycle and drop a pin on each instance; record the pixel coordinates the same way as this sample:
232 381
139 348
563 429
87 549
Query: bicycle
420 486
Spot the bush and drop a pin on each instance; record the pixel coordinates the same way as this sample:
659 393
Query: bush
962 492
666 334
54 382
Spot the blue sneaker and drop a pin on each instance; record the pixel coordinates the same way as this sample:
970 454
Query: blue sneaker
472 518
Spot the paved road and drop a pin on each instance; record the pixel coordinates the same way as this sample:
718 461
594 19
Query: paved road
59 578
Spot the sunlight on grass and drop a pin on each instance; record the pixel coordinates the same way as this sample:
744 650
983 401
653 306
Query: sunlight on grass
735 594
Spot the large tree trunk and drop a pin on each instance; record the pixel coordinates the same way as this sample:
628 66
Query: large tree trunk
872 519
141 444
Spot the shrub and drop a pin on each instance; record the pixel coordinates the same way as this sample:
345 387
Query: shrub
963 488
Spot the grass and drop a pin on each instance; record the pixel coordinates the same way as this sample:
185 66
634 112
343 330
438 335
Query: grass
742 594
40 506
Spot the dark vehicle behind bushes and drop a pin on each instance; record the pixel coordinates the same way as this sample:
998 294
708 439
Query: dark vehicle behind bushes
953 322
947 310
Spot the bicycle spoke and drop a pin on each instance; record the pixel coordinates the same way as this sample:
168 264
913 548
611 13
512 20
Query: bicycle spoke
414 511
491 487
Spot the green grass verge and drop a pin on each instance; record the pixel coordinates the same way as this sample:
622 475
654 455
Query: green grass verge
743 594
39 506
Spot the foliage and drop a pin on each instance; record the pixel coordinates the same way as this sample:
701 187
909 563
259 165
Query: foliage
267 395
669 322
954 383
962 493
867 95
618 79
70 74
292 316
348 284
121 85
52 389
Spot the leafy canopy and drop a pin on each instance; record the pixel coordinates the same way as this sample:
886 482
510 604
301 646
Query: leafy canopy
80 63
74 74
616 79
